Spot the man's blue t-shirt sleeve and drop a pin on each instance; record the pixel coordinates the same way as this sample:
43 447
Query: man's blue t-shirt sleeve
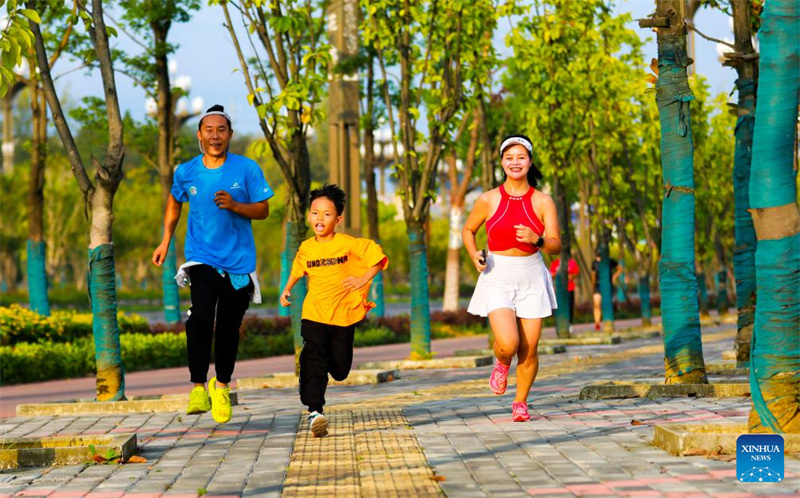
257 187
177 190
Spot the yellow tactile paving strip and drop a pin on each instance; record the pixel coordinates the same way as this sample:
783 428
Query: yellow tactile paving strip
372 452
367 453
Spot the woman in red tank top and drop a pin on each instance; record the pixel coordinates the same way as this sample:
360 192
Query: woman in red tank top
514 288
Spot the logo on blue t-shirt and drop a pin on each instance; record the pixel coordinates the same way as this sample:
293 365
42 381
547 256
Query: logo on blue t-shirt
235 185
759 458
193 190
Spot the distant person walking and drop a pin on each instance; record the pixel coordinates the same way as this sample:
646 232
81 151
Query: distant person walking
224 191
514 288
572 272
614 271
340 269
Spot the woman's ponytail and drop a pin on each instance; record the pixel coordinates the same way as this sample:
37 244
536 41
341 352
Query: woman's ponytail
534 175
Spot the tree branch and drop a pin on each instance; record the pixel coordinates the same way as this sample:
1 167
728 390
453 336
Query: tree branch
115 150
284 165
690 25
76 163
64 39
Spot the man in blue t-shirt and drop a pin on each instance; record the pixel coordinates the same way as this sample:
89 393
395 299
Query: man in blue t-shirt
224 191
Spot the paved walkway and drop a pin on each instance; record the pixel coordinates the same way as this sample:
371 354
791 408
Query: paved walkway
176 380
430 433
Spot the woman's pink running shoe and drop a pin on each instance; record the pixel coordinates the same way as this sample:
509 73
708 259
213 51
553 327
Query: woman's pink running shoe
519 412
498 381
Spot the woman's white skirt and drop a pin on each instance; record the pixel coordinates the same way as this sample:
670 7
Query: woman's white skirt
521 283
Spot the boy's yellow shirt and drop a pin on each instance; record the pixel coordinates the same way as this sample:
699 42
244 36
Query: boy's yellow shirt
327 264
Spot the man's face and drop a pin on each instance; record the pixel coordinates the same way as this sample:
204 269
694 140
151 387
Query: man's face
215 135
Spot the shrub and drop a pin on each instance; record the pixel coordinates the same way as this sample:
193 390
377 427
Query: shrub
262 345
151 351
18 324
400 325
51 360
63 360
374 336
80 324
445 330
275 325
459 318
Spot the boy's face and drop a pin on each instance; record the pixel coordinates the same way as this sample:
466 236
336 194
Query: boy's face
322 217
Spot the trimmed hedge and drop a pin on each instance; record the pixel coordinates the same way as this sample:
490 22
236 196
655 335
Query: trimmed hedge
18 324
38 362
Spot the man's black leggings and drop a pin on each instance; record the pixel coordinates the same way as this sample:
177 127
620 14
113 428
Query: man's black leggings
327 349
213 296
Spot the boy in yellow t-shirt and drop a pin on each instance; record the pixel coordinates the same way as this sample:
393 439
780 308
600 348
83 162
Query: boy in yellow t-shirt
340 269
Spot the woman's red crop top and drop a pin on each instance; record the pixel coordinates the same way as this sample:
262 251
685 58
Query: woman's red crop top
512 211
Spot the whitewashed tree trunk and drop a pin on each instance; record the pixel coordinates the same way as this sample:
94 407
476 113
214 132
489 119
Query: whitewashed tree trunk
453 269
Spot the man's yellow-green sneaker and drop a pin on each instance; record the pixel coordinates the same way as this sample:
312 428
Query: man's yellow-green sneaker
220 401
199 402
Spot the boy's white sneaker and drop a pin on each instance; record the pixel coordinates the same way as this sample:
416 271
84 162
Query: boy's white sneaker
318 424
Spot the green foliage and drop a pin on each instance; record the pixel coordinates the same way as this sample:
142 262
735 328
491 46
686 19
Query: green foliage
286 97
18 324
574 68
64 360
374 337
445 53
53 361
577 77
15 38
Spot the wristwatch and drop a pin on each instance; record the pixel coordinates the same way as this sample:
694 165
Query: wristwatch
539 243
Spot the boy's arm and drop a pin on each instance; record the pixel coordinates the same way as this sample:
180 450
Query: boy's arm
287 291
354 283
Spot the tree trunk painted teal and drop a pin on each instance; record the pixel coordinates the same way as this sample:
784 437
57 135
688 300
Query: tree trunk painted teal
376 296
722 292
683 346
622 294
606 289
562 275
107 350
562 312
286 269
775 355
37 262
744 247
702 294
37 278
295 233
420 308
644 298
172 300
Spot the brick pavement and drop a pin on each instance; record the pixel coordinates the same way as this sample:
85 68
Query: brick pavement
427 434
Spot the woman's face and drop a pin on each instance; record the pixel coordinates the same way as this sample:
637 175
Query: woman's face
516 162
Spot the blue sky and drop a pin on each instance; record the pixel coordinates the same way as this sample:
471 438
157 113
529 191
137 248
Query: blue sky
206 55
